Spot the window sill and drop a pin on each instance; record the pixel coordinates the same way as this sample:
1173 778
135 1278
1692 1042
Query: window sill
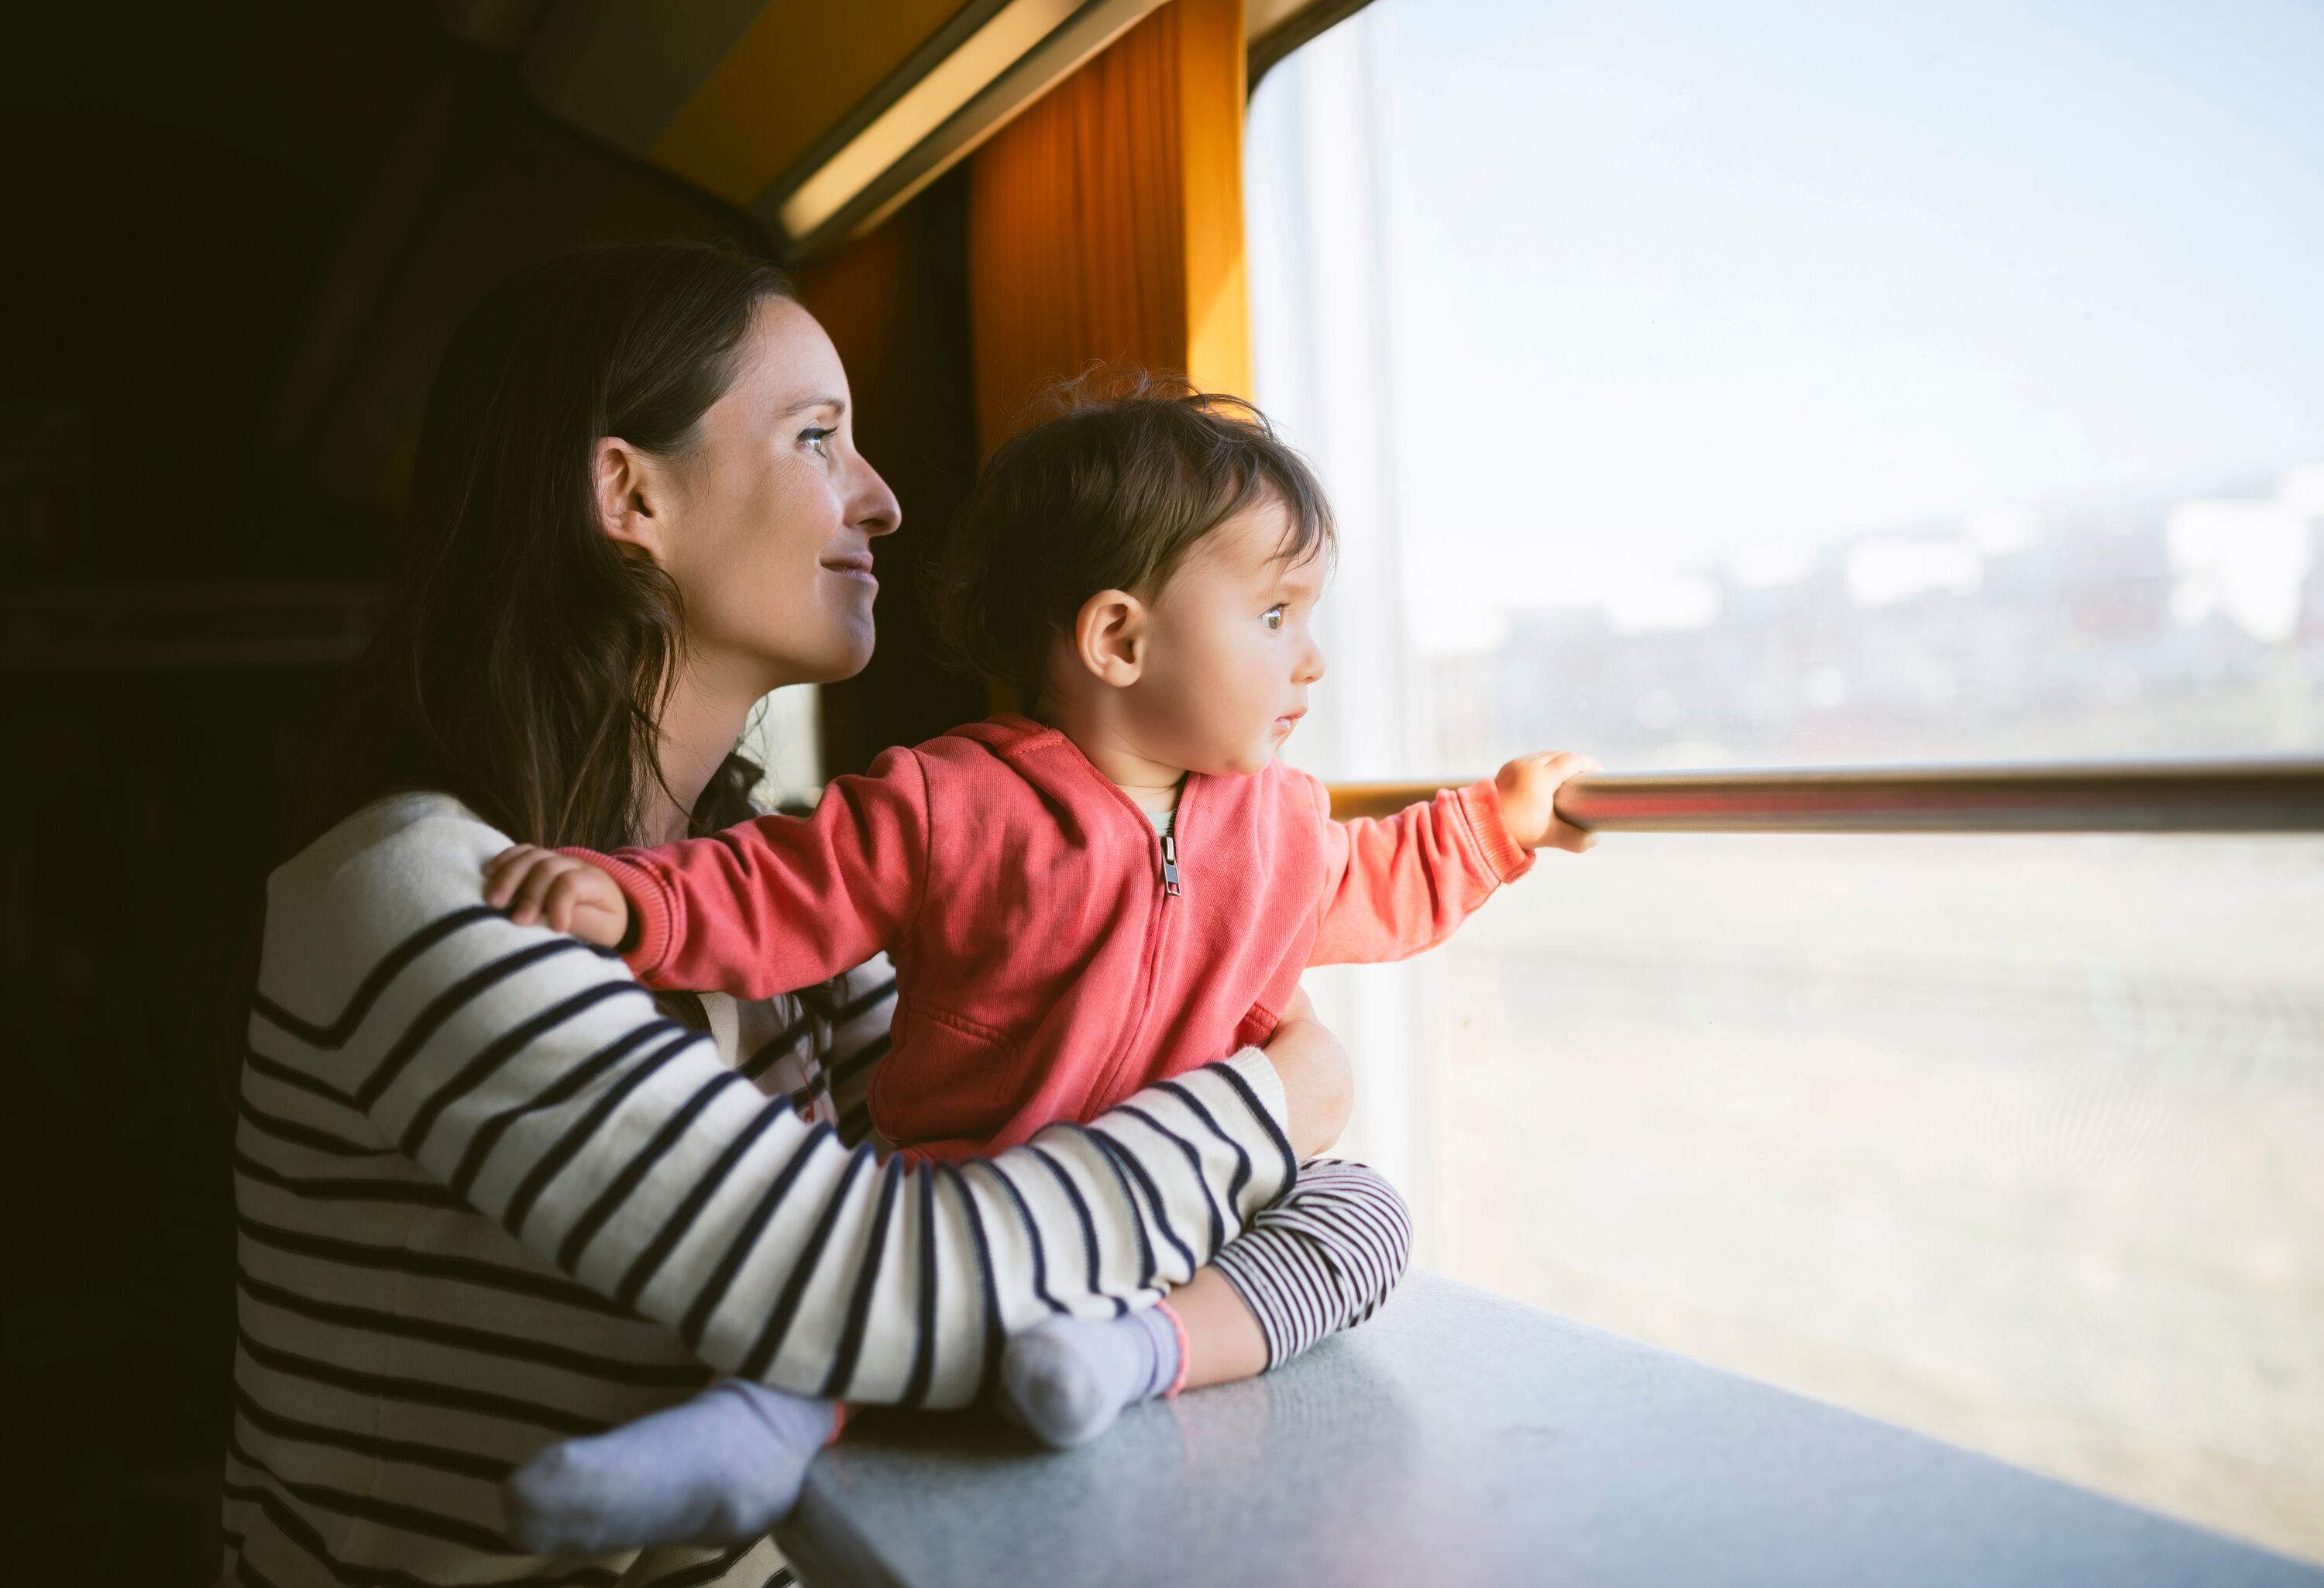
1461 1437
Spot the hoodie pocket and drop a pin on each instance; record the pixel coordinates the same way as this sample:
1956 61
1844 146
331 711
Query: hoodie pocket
947 1077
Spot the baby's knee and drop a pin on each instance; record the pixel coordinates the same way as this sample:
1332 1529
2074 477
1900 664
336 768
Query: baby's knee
1353 1200
1393 1220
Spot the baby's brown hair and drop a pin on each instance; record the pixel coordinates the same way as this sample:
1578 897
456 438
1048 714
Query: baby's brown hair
1108 492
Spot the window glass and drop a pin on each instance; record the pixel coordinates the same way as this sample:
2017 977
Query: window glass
1704 386
781 734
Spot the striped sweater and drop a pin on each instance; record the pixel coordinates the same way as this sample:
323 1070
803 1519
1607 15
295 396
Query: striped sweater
489 1196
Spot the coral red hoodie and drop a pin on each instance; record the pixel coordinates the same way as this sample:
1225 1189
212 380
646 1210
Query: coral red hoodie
1046 966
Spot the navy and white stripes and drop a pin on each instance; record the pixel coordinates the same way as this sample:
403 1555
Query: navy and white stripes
1324 1258
490 1195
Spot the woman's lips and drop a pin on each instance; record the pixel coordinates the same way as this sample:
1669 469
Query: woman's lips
854 568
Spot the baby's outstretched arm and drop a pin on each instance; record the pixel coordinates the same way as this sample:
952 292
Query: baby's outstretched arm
770 904
1395 887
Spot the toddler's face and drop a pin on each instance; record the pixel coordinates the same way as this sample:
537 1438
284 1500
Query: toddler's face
1229 655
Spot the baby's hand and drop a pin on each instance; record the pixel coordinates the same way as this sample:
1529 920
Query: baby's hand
570 895
1528 786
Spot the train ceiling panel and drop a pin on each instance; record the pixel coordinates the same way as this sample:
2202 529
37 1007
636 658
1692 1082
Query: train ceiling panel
818 122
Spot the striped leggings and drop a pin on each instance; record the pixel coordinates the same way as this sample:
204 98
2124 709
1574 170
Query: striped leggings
1321 1257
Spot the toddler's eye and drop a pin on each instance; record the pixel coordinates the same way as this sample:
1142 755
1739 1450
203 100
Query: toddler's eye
813 437
1273 616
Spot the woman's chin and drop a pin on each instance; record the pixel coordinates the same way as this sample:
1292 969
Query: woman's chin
834 658
849 653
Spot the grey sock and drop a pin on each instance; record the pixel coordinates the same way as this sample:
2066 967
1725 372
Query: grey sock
720 1469
1066 1381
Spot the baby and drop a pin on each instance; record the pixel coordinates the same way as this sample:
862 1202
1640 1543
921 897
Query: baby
1120 887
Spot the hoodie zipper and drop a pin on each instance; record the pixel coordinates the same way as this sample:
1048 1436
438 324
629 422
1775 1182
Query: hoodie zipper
1158 926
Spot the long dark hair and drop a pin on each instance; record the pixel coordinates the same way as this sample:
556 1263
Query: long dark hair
522 659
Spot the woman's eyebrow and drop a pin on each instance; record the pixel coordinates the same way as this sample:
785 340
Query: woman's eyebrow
837 402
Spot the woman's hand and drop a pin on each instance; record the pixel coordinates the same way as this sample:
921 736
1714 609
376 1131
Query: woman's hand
1319 1087
1528 788
570 895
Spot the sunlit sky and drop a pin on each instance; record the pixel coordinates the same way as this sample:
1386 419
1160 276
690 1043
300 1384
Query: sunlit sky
1683 277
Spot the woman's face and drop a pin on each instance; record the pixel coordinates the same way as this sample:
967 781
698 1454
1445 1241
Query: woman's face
769 541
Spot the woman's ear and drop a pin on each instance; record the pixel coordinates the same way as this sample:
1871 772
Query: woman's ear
628 492
1109 637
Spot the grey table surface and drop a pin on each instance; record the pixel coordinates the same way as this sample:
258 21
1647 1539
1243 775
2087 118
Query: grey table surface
1463 1438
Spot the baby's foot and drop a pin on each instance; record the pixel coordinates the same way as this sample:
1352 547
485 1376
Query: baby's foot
720 1469
1066 1381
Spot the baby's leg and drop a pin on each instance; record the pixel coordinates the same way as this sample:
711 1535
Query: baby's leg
1320 1260
719 1469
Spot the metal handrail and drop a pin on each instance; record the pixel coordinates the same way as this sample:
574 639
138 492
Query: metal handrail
2172 797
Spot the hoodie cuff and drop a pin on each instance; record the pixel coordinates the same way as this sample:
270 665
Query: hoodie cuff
1480 807
650 912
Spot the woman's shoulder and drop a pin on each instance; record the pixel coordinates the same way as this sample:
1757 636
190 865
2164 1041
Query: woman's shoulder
393 868
402 839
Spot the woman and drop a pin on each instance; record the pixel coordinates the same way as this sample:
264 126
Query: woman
489 1194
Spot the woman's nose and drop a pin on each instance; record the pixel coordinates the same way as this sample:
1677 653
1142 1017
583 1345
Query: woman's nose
876 511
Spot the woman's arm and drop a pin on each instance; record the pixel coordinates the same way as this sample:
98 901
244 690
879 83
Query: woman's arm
533 1076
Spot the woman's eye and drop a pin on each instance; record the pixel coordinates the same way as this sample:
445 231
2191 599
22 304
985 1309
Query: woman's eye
813 437
1273 617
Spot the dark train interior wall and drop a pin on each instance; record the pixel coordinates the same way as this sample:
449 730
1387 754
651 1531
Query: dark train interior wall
241 236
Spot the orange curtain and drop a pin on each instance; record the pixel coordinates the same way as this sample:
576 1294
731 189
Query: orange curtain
1105 223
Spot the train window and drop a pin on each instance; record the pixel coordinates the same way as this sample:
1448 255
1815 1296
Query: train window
781 737
1718 386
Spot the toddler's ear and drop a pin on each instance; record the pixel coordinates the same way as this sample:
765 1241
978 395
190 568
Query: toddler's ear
1109 637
